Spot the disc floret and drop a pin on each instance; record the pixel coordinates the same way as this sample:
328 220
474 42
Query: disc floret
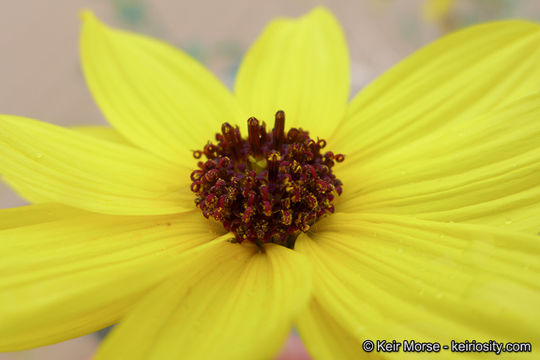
268 187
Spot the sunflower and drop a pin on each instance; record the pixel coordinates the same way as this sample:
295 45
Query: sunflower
409 213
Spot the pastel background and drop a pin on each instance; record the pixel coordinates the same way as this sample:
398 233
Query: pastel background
40 76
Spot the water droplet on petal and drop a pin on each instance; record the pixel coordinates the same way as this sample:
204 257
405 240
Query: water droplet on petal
508 221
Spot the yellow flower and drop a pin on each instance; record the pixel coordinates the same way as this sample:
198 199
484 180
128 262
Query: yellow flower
433 239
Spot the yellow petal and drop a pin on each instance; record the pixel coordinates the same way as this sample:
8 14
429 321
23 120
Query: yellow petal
66 272
103 133
26 192
485 171
64 166
156 96
35 214
453 79
100 132
323 336
299 66
231 302
396 277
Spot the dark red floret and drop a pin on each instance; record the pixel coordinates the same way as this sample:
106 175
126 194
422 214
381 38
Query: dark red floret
268 187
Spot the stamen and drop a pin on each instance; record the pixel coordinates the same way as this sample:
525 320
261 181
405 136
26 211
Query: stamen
273 166
254 135
268 187
232 140
279 127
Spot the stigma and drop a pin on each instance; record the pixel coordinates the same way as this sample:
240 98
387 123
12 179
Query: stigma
268 187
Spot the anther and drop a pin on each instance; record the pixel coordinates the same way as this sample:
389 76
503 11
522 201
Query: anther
232 139
279 128
254 135
273 165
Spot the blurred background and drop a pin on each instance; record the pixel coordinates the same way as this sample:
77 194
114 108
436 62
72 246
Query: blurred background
40 75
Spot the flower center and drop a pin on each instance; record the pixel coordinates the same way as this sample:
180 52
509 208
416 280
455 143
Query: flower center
268 187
